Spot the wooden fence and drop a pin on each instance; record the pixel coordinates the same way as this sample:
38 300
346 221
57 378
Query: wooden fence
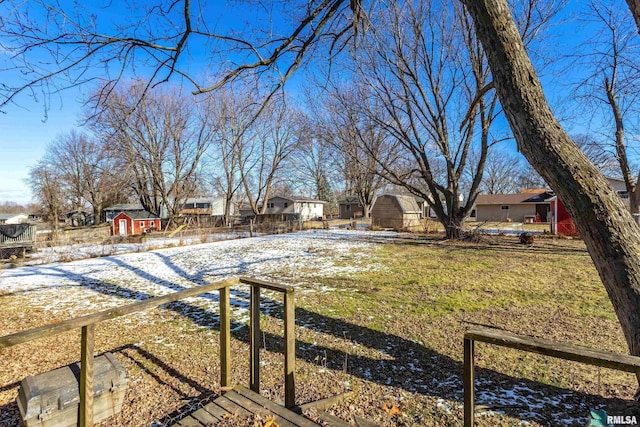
605 359
87 325
18 245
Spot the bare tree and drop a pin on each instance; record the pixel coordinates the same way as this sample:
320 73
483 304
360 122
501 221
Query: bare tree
610 232
501 172
601 154
359 143
160 138
45 185
611 87
429 79
261 159
233 113
87 173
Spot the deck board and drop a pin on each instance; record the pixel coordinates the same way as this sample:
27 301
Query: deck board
243 402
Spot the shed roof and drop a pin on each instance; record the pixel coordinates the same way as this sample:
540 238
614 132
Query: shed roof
140 215
407 204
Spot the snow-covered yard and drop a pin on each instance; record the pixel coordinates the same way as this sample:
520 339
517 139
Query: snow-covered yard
78 287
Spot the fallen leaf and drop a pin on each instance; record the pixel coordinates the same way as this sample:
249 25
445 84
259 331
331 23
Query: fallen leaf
393 411
270 422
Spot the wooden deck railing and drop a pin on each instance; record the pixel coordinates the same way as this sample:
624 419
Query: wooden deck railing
605 359
87 325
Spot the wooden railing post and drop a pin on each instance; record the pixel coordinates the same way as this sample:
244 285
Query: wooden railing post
289 349
254 340
225 338
468 383
86 376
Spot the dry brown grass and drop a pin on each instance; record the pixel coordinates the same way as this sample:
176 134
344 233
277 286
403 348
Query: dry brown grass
393 335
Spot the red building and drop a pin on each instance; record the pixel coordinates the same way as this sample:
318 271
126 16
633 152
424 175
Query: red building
562 222
136 222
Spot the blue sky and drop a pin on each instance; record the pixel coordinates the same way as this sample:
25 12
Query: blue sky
25 130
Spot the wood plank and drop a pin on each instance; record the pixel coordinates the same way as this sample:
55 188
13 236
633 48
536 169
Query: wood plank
189 421
204 417
361 422
232 407
78 322
575 353
225 338
256 408
87 343
254 339
324 404
275 408
289 350
332 420
468 382
214 410
266 285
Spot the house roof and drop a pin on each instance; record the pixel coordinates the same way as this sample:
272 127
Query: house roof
125 207
298 199
140 215
200 200
539 196
349 200
6 216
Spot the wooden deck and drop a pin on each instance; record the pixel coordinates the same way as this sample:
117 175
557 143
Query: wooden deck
243 402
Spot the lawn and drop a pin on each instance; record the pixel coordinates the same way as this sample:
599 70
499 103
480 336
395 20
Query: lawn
379 313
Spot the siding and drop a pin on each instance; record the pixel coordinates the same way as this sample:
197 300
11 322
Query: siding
387 212
495 213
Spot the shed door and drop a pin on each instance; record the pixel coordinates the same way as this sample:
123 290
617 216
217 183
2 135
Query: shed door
122 228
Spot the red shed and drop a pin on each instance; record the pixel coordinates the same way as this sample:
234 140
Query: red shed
562 221
136 222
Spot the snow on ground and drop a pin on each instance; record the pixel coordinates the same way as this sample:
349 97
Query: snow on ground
70 289
78 287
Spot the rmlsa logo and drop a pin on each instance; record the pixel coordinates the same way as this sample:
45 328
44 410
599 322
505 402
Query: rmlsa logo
600 418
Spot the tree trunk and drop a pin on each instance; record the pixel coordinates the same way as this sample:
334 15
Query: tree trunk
609 231
453 227
634 6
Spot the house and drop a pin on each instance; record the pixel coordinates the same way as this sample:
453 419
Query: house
533 205
396 211
295 208
135 222
350 207
11 218
79 218
112 211
205 210
283 208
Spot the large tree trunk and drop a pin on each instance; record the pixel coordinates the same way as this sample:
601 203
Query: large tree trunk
609 231
634 6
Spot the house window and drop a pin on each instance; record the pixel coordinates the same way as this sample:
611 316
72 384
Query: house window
504 207
152 224
141 224
624 194
348 208
286 205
